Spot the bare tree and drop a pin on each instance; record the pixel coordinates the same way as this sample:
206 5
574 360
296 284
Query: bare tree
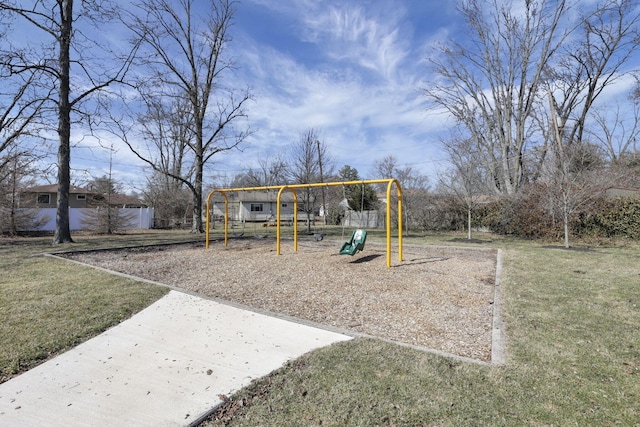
617 129
170 199
466 179
184 58
66 45
574 176
270 171
20 105
617 134
415 187
573 182
608 37
105 217
490 84
304 168
16 172
167 131
388 167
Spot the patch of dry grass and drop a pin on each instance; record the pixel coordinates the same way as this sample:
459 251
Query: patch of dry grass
48 305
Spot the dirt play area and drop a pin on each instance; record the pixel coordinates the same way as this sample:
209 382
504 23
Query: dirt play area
440 298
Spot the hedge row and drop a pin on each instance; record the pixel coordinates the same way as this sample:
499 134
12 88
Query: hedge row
528 217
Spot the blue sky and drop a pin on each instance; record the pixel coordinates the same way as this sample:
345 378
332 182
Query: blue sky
351 70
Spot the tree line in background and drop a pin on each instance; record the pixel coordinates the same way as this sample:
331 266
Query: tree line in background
522 89
531 151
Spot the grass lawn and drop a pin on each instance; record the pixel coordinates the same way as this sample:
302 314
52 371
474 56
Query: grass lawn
572 322
573 358
49 305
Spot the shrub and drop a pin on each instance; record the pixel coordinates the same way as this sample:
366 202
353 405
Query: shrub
618 217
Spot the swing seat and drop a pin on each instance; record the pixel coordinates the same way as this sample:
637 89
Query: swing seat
355 244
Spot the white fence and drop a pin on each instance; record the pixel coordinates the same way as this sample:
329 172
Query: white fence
361 219
137 218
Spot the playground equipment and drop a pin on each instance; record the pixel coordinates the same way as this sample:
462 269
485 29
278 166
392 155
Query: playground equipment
355 244
292 187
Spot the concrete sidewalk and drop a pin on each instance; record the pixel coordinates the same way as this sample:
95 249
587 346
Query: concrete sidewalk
166 366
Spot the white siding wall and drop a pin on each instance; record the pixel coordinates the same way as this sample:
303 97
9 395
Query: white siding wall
241 211
142 220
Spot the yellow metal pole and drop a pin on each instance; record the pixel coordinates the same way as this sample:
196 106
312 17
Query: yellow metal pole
399 189
278 222
226 219
388 225
226 216
295 220
206 234
317 184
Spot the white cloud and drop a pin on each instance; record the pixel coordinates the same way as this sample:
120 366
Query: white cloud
355 94
355 34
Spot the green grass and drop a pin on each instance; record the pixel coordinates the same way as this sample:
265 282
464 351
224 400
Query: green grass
49 305
573 358
572 322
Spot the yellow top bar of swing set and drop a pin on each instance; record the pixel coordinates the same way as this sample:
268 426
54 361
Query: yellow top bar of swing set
293 187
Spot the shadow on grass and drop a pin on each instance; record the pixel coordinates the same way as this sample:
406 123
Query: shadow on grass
570 248
465 240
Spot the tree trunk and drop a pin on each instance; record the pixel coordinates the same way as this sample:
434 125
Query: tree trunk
13 229
197 227
469 222
62 232
565 220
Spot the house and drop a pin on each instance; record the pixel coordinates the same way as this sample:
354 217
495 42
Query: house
254 206
44 198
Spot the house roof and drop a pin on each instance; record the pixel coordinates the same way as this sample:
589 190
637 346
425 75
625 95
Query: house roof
123 199
53 188
116 199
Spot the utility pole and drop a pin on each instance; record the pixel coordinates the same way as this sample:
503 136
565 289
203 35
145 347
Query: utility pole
109 186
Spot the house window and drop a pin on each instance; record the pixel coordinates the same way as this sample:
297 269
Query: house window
256 207
44 199
81 197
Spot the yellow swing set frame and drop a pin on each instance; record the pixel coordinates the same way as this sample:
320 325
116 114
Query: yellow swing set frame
292 187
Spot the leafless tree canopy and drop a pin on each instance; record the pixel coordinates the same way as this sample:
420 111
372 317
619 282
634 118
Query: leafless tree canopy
490 84
270 171
74 63
415 187
592 61
466 180
308 157
498 82
184 60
